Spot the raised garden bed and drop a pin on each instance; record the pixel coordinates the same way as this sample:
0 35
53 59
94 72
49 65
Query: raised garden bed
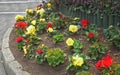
56 44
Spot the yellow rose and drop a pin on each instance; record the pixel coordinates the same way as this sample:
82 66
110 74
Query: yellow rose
31 30
41 11
70 42
42 20
49 5
25 50
33 22
77 61
50 30
19 17
73 28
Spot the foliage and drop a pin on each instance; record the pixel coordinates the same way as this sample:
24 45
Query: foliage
97 49
77 46
55 57
83 73
58 38
41 26
113 35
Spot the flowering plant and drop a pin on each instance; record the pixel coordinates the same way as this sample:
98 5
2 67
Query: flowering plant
41 52
78 62
107 66
20 42
20 27
76 45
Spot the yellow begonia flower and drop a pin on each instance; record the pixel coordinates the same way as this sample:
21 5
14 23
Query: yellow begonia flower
31 30
19 17
70 42
110 26
42 20
25 50
43 45
41 11
76 18
33 22
29 11
50 30
49 5
73 28
77 61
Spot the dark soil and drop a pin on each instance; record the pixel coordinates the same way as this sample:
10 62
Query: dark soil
35 69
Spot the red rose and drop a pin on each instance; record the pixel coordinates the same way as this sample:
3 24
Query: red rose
106 62
49 25
90 34
20 24
85 23
39 51
19 39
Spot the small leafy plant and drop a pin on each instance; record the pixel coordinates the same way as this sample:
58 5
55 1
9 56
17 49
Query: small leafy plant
58 38
55 57
77 46
96 50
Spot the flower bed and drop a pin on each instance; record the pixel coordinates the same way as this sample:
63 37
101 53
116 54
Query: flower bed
51 37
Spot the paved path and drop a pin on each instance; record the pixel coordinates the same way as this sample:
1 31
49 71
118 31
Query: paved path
8 10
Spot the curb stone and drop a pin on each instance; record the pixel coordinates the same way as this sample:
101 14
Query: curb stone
12 66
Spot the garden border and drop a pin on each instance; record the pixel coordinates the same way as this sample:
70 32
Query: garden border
12 66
